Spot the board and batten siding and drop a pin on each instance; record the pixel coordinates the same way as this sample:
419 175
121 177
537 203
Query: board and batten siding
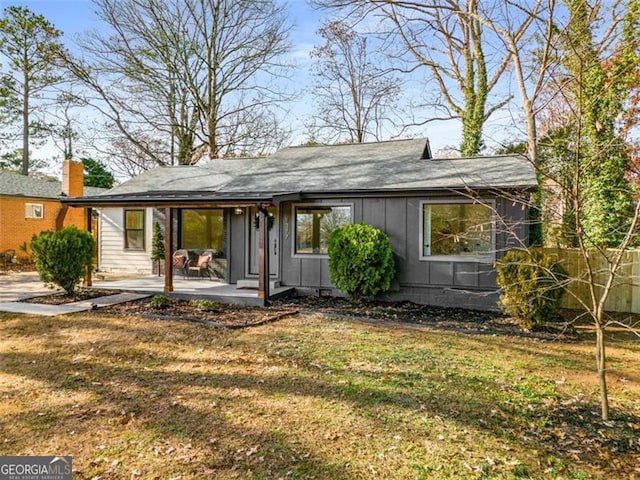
112 255
470 284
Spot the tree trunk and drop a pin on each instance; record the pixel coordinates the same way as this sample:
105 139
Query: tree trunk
602 378
471 134
25 127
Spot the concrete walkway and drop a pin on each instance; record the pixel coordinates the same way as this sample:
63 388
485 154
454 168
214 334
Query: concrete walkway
81 306
19 286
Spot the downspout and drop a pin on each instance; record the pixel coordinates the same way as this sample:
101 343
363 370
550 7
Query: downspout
62 213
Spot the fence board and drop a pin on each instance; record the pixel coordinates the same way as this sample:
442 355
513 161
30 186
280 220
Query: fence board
625 293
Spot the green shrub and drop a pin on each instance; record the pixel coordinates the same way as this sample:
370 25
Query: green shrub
159 302
206 305
361 261
61 258
532 286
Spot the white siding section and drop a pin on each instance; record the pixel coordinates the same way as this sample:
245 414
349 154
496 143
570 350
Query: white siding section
112 255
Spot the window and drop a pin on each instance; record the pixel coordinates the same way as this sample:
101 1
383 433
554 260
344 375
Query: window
33 210
314 224
203 229
134 229
457 230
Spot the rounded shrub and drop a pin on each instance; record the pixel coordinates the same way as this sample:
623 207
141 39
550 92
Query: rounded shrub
159 302
532 286
61 258
361 261
206 305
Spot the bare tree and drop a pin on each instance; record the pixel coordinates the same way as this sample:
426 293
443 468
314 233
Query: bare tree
355 94
464 57
529 32
182 78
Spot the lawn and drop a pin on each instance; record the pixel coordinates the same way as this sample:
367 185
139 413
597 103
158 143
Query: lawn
310 397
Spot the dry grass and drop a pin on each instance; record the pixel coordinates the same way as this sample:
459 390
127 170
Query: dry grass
310 398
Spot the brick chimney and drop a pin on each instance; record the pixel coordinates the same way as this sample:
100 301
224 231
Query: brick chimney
72 178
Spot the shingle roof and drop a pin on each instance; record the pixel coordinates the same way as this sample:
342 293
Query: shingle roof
14 184
371 167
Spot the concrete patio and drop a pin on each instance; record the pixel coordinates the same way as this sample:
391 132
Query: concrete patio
189 288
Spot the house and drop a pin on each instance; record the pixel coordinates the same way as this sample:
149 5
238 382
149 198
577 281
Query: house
30 205
447 219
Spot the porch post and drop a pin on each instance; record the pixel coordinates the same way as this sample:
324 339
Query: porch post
168 244
87 273
263 254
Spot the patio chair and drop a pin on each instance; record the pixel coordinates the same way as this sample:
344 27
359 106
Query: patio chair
200 265
180 261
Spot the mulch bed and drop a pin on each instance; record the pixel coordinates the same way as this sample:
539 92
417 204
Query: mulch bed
20 266
227 316
234 316
62 298
452 319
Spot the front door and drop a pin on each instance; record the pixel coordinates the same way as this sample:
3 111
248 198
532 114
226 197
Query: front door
253 242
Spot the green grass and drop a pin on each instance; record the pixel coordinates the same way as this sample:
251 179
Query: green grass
310 398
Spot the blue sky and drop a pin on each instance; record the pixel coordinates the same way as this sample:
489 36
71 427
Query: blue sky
74 17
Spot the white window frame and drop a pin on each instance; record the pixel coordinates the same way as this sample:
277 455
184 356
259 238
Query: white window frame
125 246
490 258
294 223
29 209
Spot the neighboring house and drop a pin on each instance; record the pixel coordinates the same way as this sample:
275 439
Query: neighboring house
447 219
30 205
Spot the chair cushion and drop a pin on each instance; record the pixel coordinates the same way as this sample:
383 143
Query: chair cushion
203 261
179 261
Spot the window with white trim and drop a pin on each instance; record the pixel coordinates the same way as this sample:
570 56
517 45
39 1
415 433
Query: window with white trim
33 210
314 224
457 231
134 229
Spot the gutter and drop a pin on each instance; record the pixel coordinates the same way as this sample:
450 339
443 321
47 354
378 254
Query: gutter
179 199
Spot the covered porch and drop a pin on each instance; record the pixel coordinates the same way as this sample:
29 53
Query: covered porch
223 289
217 291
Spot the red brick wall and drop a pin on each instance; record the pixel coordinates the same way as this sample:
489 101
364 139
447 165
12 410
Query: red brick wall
15 229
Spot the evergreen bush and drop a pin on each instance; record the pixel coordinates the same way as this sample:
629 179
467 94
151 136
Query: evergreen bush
361 262
532 286
157 245
61 258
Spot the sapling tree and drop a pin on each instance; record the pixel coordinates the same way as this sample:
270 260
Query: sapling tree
157 245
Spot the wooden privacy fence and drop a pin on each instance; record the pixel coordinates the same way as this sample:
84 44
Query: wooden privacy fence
625 294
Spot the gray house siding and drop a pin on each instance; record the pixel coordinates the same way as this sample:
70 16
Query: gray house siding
236 247
470 284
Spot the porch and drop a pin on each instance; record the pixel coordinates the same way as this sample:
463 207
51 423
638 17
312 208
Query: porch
215 290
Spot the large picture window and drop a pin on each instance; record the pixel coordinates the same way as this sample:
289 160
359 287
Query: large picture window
203 229
134 229
457 230
315 223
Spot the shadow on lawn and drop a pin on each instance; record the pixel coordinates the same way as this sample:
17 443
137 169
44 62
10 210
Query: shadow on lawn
124 378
